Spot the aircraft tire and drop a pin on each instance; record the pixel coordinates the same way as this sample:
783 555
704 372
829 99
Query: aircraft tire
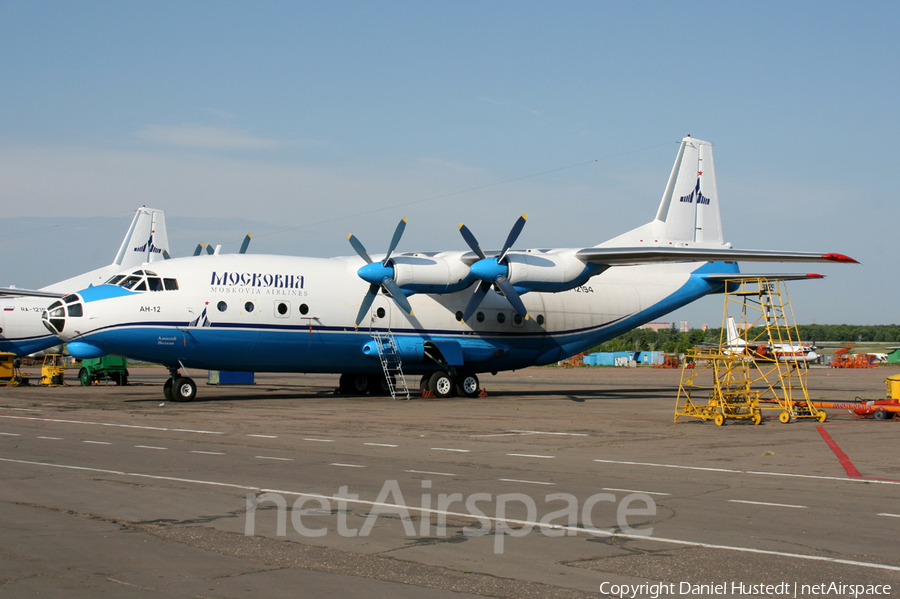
378 385
184 389
441 384
354 384
167 389
467 385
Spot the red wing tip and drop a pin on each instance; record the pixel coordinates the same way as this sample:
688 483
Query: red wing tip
812 275
840 258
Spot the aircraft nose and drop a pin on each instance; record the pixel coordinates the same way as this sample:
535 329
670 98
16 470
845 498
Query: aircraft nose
55 317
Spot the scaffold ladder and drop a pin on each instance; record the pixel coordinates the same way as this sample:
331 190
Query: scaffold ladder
771 342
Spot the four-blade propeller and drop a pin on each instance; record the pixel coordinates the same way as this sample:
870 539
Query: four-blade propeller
493 271
380 275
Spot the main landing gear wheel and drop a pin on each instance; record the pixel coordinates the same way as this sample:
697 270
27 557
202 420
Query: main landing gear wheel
167 389
378 385
784 417
467 385
441 384
354 384
184 389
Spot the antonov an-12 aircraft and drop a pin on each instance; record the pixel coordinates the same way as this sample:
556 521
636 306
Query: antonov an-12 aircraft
21 331
453 314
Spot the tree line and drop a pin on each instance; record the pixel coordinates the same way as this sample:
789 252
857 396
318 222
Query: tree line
673 341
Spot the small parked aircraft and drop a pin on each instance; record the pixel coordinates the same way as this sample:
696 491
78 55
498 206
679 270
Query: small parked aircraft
21 331
765 351
448 315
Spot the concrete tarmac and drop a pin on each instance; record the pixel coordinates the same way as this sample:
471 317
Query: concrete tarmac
561 483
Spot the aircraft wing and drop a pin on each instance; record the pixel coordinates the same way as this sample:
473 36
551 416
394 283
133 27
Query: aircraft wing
618 256
14 292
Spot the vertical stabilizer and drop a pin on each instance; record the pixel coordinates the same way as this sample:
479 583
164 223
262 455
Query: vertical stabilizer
688 214
146 239
690 204
733 337
144 242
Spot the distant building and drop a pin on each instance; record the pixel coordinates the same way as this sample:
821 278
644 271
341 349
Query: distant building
684 326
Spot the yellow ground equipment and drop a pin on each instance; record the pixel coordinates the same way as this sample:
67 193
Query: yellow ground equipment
716 386
53 370
9 370
763 369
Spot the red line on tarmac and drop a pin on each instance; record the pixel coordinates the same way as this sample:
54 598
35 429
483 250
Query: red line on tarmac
849 468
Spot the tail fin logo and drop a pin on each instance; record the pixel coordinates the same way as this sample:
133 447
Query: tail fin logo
149 246
201 321
700 198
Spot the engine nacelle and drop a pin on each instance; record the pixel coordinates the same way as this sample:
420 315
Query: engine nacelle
424 273
545 271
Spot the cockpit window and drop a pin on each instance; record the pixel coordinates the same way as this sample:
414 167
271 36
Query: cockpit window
144 280
76 310
130 282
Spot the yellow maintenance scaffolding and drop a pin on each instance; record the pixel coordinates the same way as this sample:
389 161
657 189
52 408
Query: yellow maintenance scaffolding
759 364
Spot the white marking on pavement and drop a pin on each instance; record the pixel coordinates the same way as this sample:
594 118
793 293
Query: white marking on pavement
148 428
527 482
52 438
800 507
320 440
549 433
633 491
576 529
347 465
208 452
266 457
381 445
10 434
97 442
890 515
727 471
427 472
264 436
450 449
149 447
531 455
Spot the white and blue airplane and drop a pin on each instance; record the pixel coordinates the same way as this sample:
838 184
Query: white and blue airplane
453 315
21 330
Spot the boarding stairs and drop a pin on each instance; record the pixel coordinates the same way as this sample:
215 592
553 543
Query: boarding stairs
391 363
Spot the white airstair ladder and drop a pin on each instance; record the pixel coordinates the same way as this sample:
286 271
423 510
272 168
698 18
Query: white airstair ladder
391 363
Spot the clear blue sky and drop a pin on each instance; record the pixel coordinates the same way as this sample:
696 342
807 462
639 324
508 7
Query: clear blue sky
326 118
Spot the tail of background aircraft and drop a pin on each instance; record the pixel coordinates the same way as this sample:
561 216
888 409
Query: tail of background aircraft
688 215
144 242
733 337
146 239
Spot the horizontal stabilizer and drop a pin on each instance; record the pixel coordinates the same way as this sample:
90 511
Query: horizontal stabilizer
618 256
741 277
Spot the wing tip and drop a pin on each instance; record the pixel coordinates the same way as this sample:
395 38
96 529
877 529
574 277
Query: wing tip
840 258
